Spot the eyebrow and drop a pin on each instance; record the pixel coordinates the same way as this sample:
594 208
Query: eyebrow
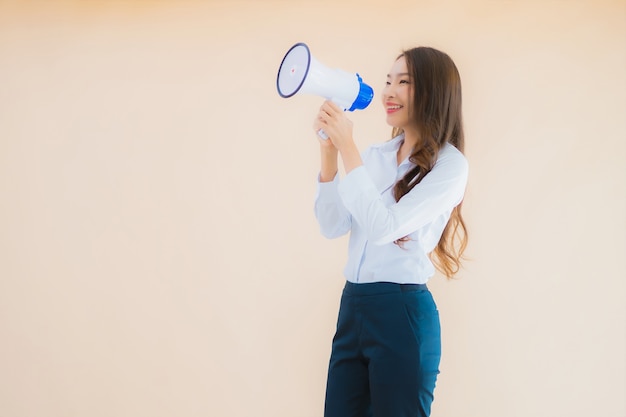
399 75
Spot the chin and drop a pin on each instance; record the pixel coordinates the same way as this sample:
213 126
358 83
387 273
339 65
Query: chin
391 122
394 125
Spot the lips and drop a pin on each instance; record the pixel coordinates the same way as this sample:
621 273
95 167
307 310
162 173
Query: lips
392 107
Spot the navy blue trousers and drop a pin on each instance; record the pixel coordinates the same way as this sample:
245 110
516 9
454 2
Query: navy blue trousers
385 352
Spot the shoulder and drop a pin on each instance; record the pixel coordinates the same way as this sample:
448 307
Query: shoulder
450 157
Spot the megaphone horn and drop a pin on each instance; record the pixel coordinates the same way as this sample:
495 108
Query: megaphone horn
300 72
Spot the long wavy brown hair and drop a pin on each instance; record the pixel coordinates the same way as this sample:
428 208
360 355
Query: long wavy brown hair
436 109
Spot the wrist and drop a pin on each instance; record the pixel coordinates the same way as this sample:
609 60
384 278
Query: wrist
328 150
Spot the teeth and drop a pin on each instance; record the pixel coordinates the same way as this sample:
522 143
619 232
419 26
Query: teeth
394 107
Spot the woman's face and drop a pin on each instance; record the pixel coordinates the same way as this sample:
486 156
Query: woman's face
398 95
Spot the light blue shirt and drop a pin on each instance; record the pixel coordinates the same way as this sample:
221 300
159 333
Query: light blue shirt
362 203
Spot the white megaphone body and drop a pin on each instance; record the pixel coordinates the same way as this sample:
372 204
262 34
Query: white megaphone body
300 72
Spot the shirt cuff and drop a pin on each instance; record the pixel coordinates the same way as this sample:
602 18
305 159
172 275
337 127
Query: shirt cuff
327 191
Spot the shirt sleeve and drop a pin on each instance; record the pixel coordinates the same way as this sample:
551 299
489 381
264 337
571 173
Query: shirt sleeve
440 191
334 219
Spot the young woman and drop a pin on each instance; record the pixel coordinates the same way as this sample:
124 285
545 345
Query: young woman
401 202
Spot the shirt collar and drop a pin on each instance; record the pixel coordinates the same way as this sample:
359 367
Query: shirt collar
392 145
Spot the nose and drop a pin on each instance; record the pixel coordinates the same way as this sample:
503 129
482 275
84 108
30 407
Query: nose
388 92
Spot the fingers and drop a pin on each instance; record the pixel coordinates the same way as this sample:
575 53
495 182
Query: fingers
333 122
325 116
319 124
330 110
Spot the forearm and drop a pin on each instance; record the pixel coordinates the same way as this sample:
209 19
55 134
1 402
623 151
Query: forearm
328 168
350 156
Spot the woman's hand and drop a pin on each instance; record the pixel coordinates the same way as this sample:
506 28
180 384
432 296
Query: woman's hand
333 121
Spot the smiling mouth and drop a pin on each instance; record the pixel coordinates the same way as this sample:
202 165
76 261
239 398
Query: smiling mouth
391 109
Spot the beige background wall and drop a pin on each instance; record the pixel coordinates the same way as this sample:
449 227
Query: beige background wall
158 250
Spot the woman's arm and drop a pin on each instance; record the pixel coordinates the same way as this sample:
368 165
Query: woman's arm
438 192
328 159
331 214
339 130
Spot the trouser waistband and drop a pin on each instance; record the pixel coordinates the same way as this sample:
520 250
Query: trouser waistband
371 288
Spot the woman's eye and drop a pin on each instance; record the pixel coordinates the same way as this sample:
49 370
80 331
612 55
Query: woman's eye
404 81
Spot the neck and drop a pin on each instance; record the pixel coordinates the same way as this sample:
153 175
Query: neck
412 138
411 142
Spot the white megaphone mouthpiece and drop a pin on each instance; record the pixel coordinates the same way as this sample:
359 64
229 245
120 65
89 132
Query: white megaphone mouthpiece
300 72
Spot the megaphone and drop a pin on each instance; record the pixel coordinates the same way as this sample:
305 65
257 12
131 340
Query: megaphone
300 72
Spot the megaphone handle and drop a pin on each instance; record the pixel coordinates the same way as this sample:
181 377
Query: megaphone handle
322 134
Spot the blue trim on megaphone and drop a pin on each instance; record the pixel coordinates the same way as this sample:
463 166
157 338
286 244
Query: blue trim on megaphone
365 96
306 72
